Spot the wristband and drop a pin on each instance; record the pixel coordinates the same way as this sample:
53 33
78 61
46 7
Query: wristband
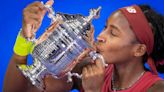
22 47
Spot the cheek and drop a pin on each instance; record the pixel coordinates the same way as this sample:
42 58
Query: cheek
116 51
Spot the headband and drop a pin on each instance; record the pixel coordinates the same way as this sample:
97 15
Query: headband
141 29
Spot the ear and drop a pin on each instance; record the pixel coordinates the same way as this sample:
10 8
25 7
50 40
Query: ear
139 50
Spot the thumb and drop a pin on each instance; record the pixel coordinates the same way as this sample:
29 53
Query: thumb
84 54
50 2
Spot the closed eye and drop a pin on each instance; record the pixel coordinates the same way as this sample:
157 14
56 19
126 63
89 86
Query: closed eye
114 30
111 32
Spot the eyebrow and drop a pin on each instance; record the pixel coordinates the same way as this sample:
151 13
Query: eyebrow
115 27
111 25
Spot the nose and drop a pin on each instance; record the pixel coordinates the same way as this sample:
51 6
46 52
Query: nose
101 40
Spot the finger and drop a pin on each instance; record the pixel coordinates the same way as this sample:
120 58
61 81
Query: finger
27 32
38 4
50 2
99 64
84 73
33 19
89 69
92 61
84 54
46 34
92 35
31 16
92 32
52 26
32 26
94 68
88 34
35 10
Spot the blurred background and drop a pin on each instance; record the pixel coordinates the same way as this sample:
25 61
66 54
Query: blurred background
11 20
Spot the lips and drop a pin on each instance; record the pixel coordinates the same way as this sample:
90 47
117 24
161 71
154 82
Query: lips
98 51
97 48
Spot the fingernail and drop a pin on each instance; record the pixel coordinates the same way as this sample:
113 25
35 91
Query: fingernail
50 2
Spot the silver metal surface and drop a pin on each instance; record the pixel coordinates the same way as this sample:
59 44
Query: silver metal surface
56 55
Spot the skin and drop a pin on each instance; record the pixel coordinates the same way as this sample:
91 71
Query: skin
16 82
119 46
130 56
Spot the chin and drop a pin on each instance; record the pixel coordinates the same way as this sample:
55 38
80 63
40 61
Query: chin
104 56
108 60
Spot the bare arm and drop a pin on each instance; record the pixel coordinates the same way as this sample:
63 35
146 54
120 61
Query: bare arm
14 80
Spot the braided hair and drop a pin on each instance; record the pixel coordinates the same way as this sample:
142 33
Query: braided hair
157 23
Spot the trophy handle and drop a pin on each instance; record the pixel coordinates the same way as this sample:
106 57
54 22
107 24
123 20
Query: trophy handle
94 56
35 73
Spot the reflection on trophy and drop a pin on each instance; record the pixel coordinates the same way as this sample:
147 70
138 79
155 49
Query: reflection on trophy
56 51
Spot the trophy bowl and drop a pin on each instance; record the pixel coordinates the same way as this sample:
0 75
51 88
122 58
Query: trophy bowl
56 51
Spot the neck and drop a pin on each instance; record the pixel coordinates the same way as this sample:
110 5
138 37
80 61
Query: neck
126 74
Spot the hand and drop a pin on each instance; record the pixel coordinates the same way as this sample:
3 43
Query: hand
93 77
83 60
32 18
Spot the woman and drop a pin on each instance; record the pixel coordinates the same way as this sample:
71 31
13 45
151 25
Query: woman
132 35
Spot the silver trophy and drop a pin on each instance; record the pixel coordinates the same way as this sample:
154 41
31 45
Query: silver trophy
56 54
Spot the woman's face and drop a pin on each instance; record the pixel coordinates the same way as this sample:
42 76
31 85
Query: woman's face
116 41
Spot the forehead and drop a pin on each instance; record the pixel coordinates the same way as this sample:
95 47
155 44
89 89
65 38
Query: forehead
119 20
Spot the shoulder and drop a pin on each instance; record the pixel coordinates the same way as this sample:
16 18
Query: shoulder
157 87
